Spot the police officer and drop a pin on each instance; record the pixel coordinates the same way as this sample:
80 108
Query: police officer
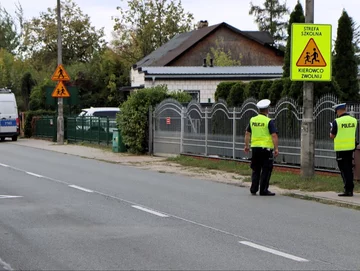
343 132
264 147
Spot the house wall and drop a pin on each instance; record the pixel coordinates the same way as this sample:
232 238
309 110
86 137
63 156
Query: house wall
206 87
137 78
252 53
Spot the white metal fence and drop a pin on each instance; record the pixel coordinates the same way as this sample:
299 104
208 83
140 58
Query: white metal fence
219 131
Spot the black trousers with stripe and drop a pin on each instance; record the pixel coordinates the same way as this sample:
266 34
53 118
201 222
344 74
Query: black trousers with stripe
262 161
345 163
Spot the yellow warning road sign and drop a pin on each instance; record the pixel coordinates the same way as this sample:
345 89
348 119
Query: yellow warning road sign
60 74
60 91
311 52
311 56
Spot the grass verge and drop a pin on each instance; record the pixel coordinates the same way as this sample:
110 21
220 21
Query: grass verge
286 180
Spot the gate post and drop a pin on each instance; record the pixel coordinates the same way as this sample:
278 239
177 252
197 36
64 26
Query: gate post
234 132
151 138
182 130
206 131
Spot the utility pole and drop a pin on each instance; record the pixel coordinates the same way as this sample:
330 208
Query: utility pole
60 118
307 126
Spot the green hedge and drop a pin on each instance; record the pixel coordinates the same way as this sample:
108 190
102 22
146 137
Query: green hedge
236 92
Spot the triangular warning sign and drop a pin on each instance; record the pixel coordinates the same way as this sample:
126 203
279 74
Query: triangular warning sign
311 56
60 91
60 74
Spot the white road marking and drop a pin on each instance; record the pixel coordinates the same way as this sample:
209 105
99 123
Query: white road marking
9 197
136 205
273 251
34 174
81 188
150 211
5 265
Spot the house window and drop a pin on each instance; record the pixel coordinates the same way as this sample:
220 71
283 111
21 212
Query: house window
195 94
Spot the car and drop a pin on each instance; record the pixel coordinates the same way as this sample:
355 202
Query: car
109 112
9 117
95 118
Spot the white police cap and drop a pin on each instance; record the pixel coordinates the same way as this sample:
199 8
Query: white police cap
339 106
263 104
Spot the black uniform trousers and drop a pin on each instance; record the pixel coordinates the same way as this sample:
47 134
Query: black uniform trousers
345 164
262 161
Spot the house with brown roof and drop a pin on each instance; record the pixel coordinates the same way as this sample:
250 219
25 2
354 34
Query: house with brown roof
181 62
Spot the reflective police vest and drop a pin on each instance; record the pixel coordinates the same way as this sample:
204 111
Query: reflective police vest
260 135
345 137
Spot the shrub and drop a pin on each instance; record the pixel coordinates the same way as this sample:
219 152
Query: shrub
223 90
265 89
253 89
275 91
133 120
236 95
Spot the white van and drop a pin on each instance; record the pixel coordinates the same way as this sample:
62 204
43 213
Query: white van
9 117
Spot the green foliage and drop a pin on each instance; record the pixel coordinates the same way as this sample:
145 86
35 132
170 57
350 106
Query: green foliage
345 69
328 87
296 91
287 85
27 84
275 90
133 120
29 117
9 38
236 95
223 90
38 96
144 26
270 18
6 65
356 41
80 40
253 89
221 57
265 89
297 16
181 96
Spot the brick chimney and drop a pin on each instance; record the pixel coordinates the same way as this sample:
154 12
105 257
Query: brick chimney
202 24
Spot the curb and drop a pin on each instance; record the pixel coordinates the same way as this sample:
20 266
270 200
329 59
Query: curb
325 200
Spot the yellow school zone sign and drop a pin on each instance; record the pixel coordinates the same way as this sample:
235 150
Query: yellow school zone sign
310 52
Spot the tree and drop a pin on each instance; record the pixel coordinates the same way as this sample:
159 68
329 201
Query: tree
345 69
9 38
297 16
148 24
236 95
27 84
220 56
270 18
80 39
356 41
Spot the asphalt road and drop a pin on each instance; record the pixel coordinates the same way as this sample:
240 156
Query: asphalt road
79 214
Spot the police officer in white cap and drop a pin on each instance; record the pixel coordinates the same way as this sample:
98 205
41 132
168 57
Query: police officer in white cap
264 146
343 131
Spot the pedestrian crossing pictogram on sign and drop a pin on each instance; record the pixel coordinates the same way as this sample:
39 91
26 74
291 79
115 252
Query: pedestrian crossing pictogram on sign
311 56
60 74
60 91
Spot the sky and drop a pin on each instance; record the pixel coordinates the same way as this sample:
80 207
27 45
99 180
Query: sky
233 12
